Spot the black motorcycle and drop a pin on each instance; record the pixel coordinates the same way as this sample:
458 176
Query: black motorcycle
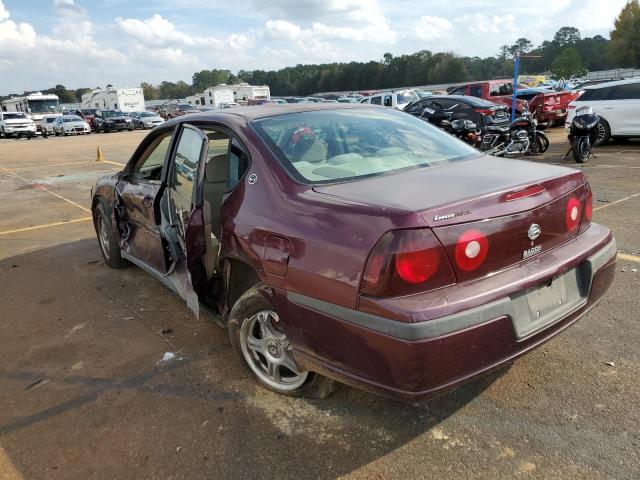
522 137
583 134
465 130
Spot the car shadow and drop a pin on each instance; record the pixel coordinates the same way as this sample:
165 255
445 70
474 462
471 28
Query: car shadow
88 385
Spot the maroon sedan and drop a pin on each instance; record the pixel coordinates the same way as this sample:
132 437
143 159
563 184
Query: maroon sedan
356 243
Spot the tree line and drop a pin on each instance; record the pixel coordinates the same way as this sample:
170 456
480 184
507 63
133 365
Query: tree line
566 55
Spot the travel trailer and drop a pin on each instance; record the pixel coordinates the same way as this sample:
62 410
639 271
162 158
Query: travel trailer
245 92
123 99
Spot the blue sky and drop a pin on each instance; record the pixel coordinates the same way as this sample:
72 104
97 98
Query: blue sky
82 43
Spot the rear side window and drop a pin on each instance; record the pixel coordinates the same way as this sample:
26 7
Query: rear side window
376 100
476 91
499 89
596 94
630 91
388 101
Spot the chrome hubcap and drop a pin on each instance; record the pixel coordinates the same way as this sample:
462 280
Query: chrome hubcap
103 237
268 353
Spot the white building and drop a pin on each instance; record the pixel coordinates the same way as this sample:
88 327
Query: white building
124 99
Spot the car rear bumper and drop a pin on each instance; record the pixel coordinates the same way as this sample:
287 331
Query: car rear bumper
413 360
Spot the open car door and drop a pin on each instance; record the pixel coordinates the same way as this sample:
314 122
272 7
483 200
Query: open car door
181 214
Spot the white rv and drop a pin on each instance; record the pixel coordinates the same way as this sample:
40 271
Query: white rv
245 92
214 96
123 99
35 105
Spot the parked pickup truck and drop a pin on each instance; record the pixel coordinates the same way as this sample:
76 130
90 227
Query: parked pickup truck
546 107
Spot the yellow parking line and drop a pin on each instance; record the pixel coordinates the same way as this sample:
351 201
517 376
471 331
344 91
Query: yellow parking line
44 189
616 202
38 227
629 258
8 470
113 163
52 165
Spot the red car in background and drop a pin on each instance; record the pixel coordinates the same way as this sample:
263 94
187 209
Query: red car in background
546 107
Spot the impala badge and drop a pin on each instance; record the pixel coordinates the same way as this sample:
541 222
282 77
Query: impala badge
534 231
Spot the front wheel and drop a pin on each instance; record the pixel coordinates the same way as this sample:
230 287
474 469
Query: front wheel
581 149
257 337
109 247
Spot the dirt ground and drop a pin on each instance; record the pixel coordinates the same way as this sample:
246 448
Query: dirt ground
84 392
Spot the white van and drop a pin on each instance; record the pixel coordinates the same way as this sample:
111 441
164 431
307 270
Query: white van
618 103
395 98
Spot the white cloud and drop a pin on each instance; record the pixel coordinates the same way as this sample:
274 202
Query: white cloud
4 13
431 28
282 30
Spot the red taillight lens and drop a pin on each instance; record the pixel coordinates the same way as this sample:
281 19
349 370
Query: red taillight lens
588 206
405 262
472 248
483 111
572 215
418 267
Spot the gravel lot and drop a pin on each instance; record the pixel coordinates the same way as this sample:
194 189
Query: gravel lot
84 393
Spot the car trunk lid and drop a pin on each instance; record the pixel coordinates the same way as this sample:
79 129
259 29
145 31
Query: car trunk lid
499 198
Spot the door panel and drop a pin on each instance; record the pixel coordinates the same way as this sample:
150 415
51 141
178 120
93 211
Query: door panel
182 219
139 233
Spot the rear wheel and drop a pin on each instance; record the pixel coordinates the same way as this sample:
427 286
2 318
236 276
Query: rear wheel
581 149
604 133
258 339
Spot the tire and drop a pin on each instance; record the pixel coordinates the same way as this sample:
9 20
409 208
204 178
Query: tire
580 149
252 316
109 247
604 133
131 128
541 144
2 134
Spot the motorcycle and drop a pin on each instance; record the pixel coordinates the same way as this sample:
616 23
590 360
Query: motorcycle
583 133
521 138
465 130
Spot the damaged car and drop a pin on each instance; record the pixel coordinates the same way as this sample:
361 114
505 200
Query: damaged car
356 243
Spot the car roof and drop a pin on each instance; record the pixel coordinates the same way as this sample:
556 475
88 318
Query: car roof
255 112
613 83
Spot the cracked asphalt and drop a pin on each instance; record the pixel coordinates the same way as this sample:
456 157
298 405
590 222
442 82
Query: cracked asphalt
84 392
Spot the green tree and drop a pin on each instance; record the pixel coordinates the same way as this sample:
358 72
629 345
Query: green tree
149 91
521 45
568 64
625 37
566 36
209 78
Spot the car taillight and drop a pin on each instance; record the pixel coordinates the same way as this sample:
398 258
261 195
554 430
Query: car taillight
484 111
472 248
572 214
404 262
588 206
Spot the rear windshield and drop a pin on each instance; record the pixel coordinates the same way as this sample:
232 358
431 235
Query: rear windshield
334 145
